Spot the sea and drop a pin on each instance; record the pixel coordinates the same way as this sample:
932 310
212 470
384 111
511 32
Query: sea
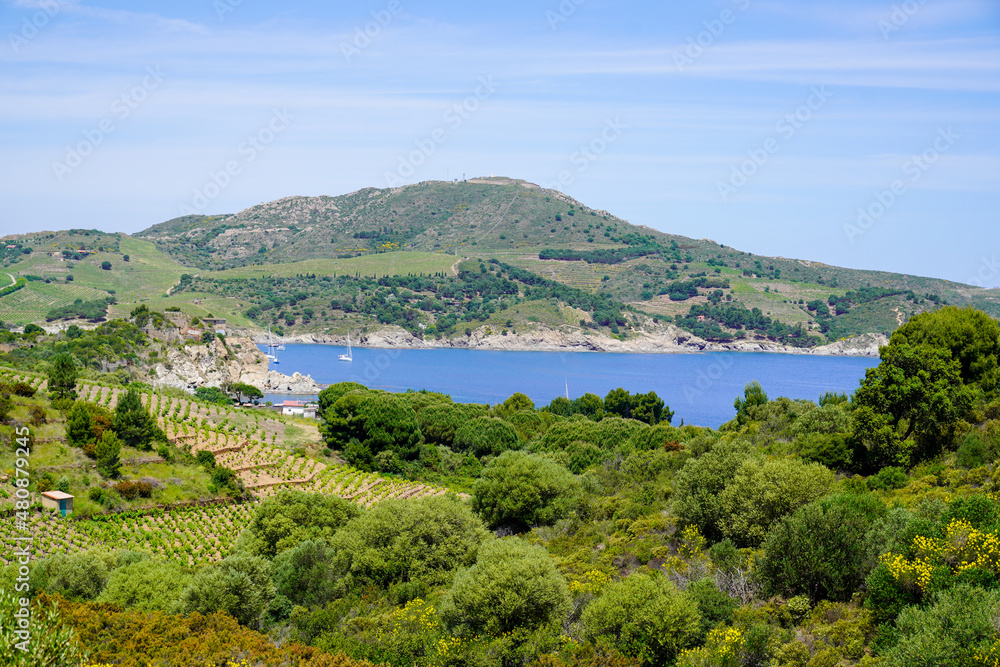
699 388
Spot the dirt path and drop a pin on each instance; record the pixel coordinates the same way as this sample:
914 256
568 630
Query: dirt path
13 281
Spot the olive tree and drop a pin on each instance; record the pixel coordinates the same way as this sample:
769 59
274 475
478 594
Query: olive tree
147 585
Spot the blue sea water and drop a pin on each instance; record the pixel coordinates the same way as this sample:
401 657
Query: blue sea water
699 388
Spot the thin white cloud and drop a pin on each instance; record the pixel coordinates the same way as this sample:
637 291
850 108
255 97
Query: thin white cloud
137 18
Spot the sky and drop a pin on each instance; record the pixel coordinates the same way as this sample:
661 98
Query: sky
860 134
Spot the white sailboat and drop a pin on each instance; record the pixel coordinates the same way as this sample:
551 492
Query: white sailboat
272 354
349 356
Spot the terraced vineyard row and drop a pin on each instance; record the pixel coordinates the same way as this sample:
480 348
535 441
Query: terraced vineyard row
367 488
246 442
193 535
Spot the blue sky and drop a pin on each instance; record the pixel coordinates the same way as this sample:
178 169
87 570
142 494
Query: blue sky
862 134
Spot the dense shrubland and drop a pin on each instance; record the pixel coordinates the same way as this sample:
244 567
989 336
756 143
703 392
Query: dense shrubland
857 530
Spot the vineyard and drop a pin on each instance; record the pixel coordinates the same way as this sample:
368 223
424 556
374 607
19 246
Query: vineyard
192 535
267 451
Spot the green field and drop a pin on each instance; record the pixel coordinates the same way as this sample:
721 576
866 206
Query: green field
376 266
148 274
37 298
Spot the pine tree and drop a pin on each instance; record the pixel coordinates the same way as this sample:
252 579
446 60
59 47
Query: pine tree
109 450
132 422
79 425
62 376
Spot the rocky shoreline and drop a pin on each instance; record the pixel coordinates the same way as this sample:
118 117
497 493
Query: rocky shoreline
213 365
669 340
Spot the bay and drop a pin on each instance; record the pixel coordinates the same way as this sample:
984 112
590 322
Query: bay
699 388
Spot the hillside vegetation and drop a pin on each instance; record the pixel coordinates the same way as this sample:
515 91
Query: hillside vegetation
298 244
860 530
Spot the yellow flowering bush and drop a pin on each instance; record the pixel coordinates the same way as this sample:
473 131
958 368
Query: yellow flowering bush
723 648
691 562
596 582
963 547
989 657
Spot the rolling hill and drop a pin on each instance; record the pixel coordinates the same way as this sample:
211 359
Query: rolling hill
324 265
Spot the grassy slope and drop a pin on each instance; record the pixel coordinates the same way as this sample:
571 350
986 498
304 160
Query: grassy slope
438 222
384 264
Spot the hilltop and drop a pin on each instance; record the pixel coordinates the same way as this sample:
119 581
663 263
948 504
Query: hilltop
494 262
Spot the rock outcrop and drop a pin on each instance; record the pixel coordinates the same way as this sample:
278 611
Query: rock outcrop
865 345
199 365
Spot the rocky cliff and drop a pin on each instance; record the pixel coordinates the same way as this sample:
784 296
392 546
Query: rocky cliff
212 365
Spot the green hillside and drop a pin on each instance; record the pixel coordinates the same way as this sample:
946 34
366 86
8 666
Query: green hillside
289 264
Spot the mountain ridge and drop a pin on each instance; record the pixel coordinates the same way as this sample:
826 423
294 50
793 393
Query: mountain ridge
290 248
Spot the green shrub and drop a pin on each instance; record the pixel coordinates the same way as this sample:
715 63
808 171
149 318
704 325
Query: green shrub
78 576
513 586
819 550
978 509
520 490
404 540
888 478
147 585
486 436
643 616
289 517
714 606
304 575
886 597
240 585
958 625
698 486
764 490
973 452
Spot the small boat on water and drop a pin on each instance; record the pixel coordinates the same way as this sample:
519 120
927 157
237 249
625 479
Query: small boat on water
272 348
349 356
